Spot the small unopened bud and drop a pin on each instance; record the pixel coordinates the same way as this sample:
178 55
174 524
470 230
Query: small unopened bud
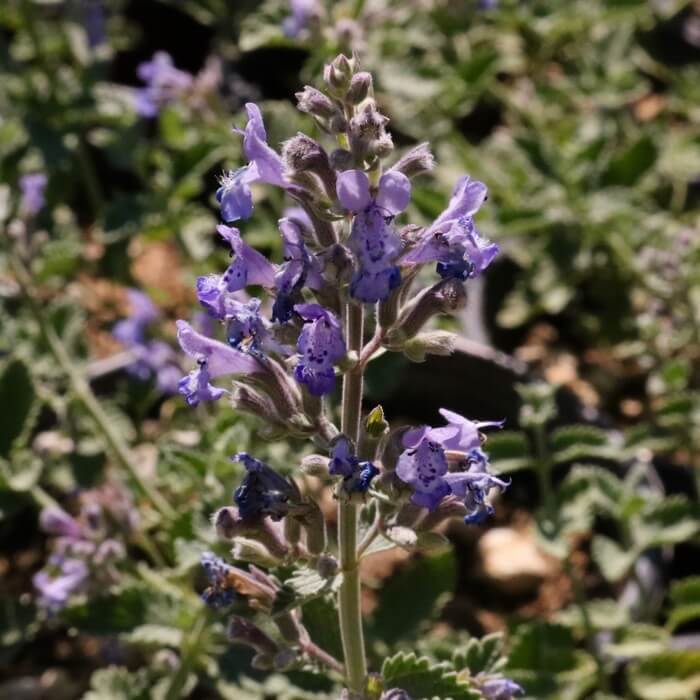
368 136
340 159
303 154
382 147
284 660
445 296
253 552
360 87
392 448
375 424
289 627
242 631
228 523
349 360
256 404
314 102
280 387
338 124
327 566
166 661
417 161
315 465
431 343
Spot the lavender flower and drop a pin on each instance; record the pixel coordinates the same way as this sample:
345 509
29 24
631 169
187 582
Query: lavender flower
214 359
94 22
373 239
164 84
357 476
264 165
453 240
55 521
320 347
303 11
220 593
263 491
151 357
500 689
300 269
62 578
32 187
246 329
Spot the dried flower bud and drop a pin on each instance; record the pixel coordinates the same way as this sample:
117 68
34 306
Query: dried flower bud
314 102
360 88
417 161
242 631
431 343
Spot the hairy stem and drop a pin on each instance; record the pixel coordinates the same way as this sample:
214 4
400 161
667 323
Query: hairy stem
82 391
350 612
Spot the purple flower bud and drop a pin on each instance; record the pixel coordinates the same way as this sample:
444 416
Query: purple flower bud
357 476
417 161
32 187
314 102
55 521
360 87
321 345
245 632
263 491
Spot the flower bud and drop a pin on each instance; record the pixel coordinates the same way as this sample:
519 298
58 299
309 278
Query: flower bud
228 523
327 566
431 343
242 631
314 102
417 161
382 147
338 124
289 627
303 154
338 73
360 87
256 404
280 387
443 297
253 552
315 465
314 526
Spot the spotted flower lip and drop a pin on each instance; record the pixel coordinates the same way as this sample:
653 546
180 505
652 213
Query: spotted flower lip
248 266
320 346
373 239
423 466
263 491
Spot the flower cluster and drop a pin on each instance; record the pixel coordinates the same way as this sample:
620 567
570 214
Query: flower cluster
85 548
151 358
32 187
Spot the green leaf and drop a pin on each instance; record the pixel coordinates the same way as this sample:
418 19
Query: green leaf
573 442
118 683
545 661
637 641
109 615
156 636
480 655
672 521
316 615
612 560
408 599
673 675
17 392
422 678
685 602
631 164
509 451
303 585
603 614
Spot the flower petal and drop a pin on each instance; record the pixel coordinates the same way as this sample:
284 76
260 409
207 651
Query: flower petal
353 190
394 192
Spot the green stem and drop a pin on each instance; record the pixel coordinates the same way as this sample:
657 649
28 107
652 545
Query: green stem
189 650
81 389
349 607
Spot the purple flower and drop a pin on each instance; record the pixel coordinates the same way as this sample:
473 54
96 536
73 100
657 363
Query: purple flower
94 22
263 491
55 521
164 84
300 269
302 12
132 330
453 240
357 476
59 580
373 239
213 359
248 266
473 485
461 433
246 329
320 346
500 689
423 466
220 593
33 187
234 193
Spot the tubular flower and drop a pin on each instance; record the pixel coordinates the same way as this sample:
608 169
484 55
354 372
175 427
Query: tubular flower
357 476
263 491
453 240
220 593
373 239
320 346
300 269
32 187
62 578
264 165
213 360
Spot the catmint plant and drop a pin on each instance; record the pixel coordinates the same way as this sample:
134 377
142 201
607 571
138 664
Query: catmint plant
346 290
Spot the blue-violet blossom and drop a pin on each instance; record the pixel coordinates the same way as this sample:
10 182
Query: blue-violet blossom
320 346
263 491
164 84
373 239
357 475
32 187
220 593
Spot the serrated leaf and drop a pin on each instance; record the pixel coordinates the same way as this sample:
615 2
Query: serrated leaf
672 521
638 640
480 655
509 451
118 683
674 675
156 635
303 585
316 615
603 614
423 678
685 602
573 442
611 559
